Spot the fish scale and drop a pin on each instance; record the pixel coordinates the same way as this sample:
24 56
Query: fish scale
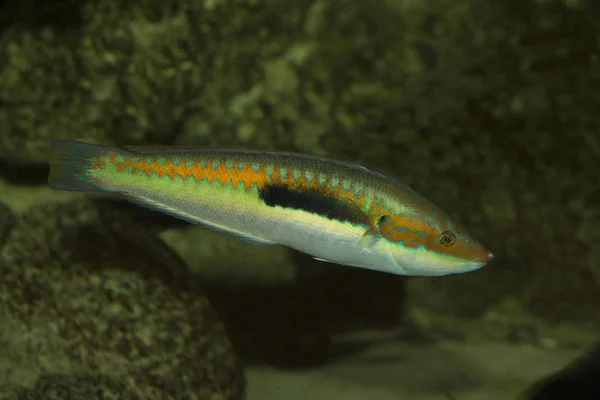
228 170
335 211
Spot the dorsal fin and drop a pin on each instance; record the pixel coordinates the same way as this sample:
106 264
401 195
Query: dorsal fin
160 148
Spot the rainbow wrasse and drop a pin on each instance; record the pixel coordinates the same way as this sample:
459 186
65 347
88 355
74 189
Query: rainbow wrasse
335 211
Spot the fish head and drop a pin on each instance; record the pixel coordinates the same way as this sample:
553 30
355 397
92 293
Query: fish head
426 246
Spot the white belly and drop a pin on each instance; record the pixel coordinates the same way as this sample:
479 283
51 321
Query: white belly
242 214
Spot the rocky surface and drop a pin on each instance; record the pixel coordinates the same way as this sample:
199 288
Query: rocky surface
8 221
73 387
84 291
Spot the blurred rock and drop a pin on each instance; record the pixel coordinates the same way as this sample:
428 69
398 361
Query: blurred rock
149 71
86 291
220 257
578 380
7 222
20 196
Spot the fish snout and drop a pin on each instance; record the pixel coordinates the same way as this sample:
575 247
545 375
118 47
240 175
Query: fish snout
488 256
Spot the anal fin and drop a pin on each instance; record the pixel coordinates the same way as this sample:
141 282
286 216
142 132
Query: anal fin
324 260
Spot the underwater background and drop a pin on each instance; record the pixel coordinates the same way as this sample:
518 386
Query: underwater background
491 109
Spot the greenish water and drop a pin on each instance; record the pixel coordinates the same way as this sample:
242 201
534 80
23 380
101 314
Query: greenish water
488 108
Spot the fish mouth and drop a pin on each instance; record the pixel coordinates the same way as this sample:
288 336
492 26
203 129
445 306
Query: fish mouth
481 254
484 259
488 256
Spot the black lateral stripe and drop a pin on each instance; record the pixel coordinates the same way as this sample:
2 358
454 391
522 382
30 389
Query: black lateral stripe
313 201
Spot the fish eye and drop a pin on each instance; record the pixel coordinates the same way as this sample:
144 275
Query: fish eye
447 239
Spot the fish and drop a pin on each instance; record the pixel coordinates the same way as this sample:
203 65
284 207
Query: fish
579 380
336 211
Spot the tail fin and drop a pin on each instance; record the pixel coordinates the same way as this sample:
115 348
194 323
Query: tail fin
70 164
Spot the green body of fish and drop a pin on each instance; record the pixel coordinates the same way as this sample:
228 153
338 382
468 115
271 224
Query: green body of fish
335 211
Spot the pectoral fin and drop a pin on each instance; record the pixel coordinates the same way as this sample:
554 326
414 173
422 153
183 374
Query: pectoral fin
372 235
370 239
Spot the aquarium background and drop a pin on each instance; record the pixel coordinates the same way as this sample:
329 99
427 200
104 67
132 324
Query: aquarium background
489 108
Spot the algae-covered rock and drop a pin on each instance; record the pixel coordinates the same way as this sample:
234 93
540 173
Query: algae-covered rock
137 72
7 222
75 387
84 290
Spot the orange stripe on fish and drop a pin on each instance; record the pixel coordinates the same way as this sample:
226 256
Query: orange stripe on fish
209 169
248 175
